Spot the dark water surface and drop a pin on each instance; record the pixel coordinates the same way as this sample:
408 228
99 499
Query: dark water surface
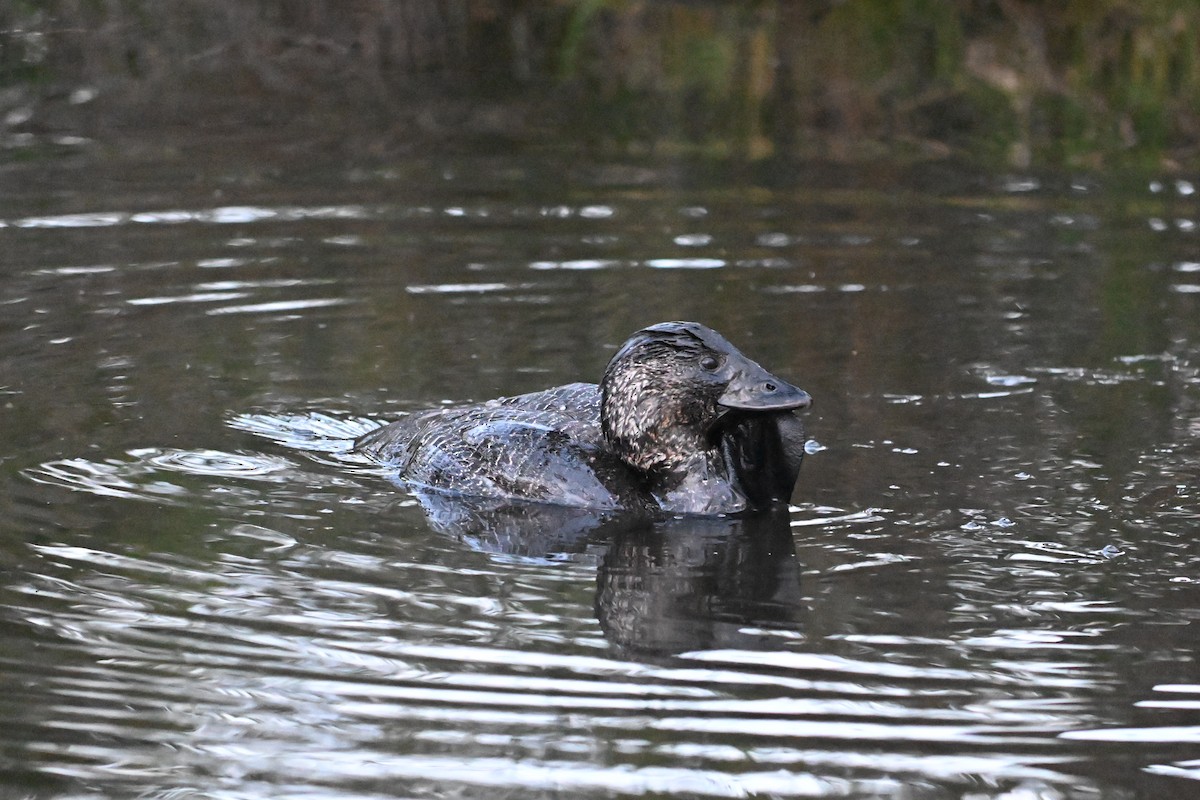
987 586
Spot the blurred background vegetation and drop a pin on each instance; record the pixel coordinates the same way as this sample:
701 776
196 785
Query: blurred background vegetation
1075 83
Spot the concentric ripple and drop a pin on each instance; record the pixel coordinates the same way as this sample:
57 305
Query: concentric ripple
142 477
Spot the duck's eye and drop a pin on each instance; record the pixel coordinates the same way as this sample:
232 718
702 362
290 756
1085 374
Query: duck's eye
709 363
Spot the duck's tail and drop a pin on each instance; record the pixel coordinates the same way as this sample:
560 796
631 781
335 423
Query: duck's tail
313 431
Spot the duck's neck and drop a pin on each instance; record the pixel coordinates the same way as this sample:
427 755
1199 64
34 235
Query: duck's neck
684 471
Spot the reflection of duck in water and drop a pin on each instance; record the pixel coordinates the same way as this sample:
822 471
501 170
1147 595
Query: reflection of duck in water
663 586
681 422
700 584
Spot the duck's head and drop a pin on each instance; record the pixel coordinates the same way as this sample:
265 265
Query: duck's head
673 390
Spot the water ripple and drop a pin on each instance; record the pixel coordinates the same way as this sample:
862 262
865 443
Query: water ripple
213 462
562 775
988 594
290 670
138 478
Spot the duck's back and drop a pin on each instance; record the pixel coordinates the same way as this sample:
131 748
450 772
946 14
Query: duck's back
544 447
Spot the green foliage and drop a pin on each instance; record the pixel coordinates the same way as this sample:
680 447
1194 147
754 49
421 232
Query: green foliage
578 21
1081 82
1078 82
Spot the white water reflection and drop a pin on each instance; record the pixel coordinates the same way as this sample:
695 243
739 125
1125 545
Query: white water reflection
464 288
278 306
242 215
580 264
195 297
685 263
222 215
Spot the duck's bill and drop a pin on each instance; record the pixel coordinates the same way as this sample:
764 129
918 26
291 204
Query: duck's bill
755 389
